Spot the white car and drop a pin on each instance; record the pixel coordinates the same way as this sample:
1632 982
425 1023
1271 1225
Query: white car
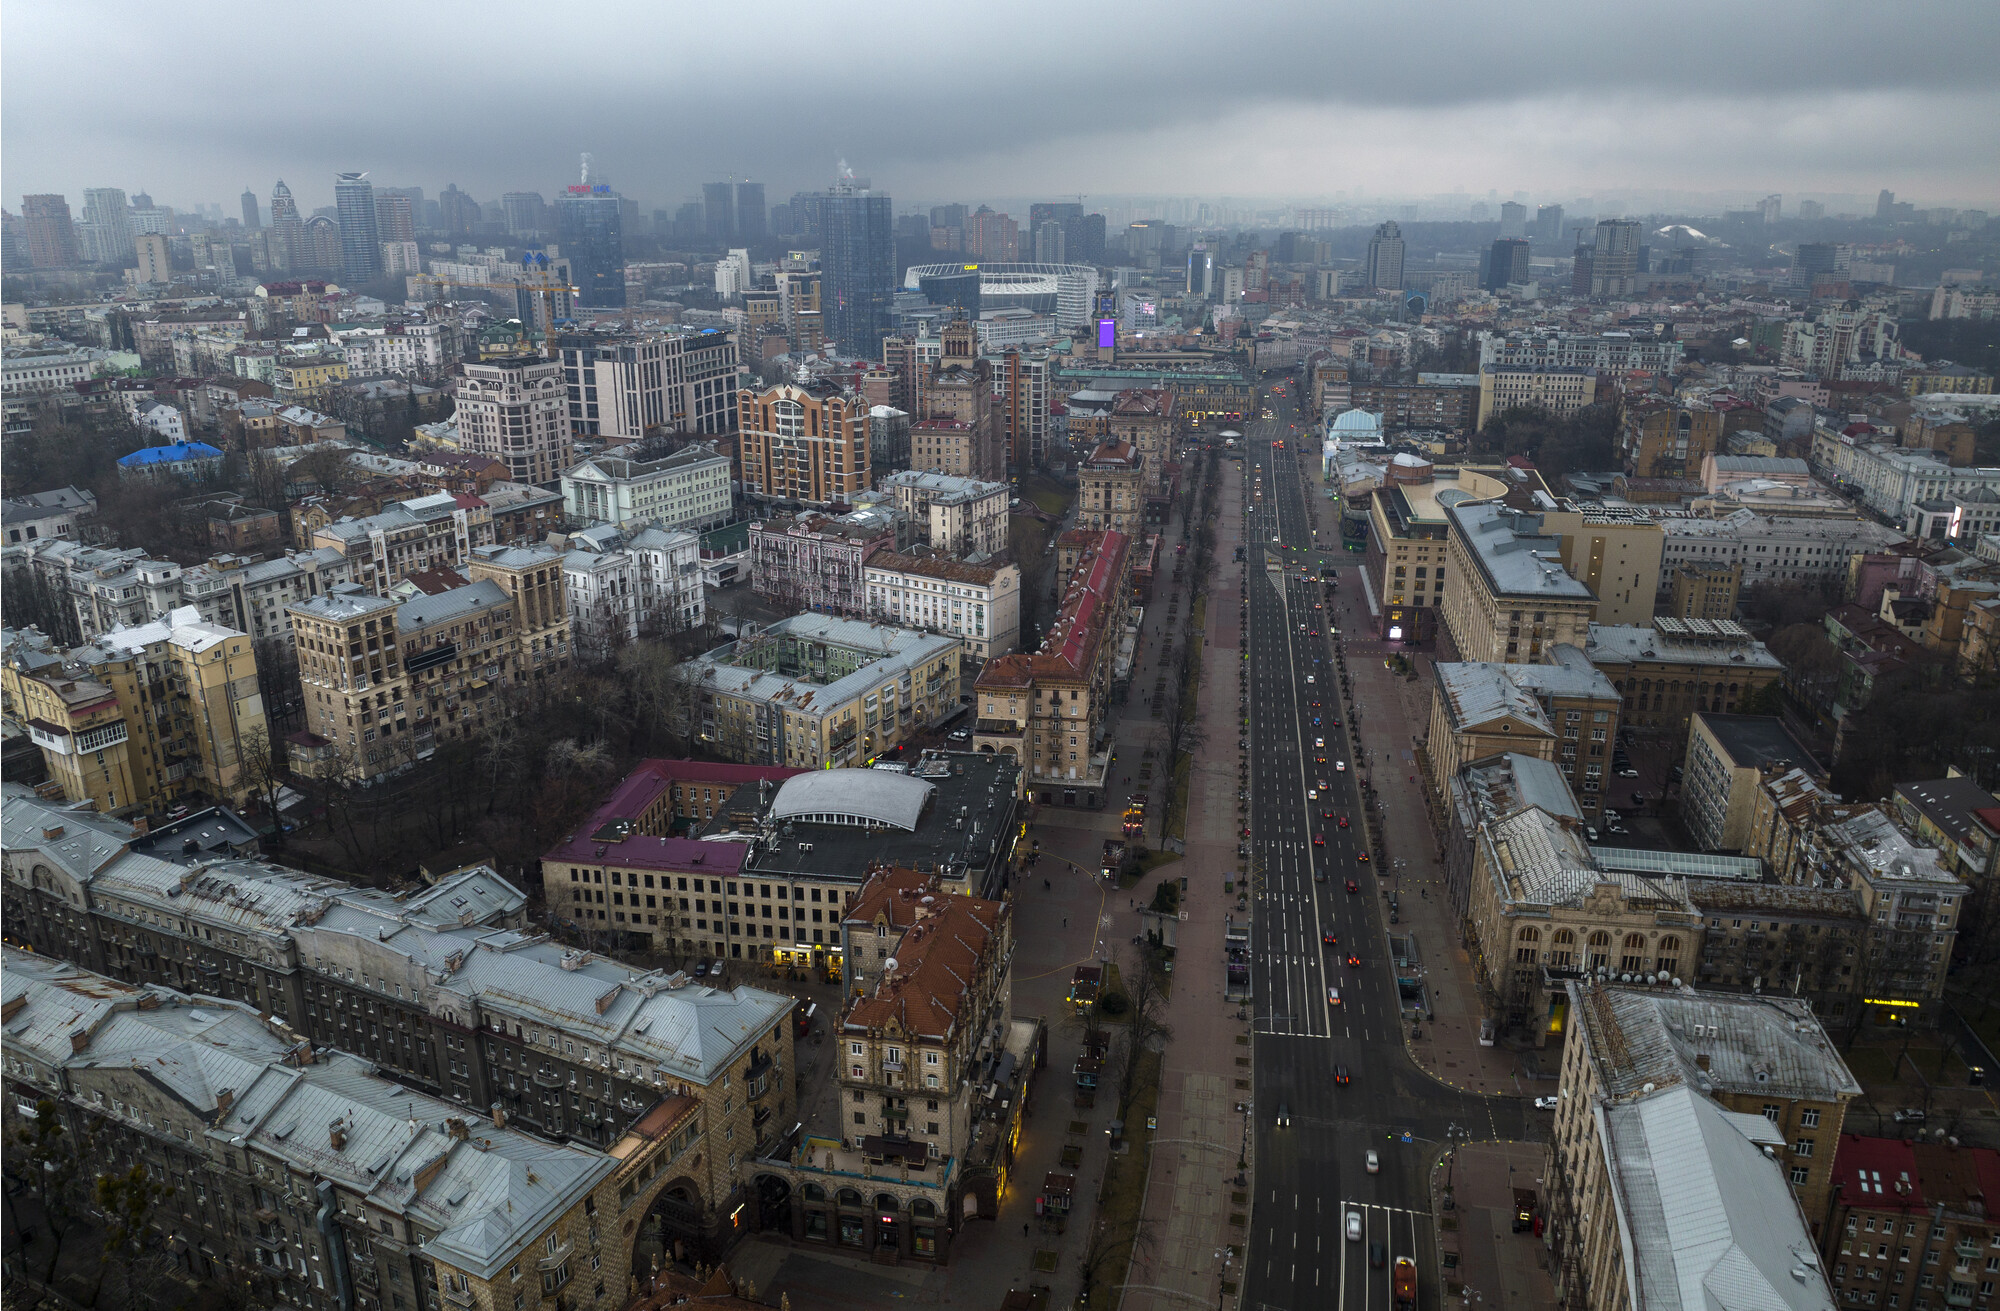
1545 1103
1374 1162
1309 680
1340 766
1354 1226
1319 741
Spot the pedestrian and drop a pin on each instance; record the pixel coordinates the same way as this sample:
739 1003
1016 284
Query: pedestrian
1065 921
1024 1230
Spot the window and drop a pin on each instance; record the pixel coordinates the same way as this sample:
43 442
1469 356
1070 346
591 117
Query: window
1803 1147
1809 1119
1799 1174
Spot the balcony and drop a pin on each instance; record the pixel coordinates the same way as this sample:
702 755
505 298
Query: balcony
457 1296
548 1078
550 1260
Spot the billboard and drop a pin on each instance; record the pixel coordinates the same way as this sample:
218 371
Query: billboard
1107 334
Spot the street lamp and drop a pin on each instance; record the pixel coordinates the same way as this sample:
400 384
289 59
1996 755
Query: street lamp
1454 1134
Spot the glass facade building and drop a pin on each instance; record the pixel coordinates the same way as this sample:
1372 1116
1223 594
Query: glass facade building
592 240
858 269
360 246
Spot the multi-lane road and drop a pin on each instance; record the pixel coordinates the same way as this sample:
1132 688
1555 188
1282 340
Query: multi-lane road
1333 1079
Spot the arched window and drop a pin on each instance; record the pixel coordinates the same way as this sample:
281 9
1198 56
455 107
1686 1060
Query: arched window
1531 934
1564 937
850 1197
886 1203
1670 943
1635 940
1600 939
814 1193
923 1208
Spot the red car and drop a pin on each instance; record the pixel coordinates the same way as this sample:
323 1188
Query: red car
1329 939
1319 839
1343 821
1354 962
1327 814
1363 858
1352 886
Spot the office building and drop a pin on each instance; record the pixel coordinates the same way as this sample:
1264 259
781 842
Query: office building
958 289
1385 258
858 267
1513 219
1615 551
803 441
718 212
145 716
1564 711
1508 597
817 691
360 241
688 489
1507 263
525 213
1548 225
386 682
252 216
1614 259
590 229
514 410
1672 668
1694 1148
50 236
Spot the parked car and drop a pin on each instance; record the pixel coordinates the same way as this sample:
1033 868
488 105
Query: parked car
1545 1103
1378 1255
1909 1115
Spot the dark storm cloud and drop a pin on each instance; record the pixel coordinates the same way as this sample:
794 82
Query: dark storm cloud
1180 97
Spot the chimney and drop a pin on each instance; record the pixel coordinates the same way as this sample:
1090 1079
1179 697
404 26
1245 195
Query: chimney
1701 1061
337 1134
79 1039
499 1117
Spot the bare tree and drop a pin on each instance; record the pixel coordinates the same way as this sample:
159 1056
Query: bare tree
1147 1027
45 1164
264 775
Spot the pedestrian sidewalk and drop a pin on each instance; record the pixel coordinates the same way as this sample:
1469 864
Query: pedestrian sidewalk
1483 1259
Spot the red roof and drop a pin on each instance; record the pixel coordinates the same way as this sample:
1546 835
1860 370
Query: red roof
600 840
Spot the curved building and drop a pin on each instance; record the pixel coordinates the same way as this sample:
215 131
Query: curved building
1064 290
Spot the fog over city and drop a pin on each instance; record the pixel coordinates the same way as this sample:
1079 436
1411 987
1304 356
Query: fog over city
1278 100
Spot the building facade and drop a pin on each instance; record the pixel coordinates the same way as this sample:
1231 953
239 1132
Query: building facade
688 489
803 442
978 604
515 411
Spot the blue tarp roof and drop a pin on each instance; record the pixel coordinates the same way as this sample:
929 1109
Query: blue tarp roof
173 453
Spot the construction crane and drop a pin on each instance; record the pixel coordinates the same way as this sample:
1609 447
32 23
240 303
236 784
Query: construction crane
541 281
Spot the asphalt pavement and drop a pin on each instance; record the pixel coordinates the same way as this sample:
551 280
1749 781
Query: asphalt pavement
1327 1003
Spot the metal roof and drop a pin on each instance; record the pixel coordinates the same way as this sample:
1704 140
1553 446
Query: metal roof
871 796
1706 1220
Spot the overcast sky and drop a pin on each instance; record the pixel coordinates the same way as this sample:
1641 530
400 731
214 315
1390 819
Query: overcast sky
1035 98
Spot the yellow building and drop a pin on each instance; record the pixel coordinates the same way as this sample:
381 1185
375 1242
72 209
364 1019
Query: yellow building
1668 440
1706 589
1111 489
803 442
185 692
1614 553
304 379
1406 537
1555 389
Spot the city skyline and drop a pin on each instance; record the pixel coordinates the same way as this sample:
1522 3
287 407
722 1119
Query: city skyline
1507 101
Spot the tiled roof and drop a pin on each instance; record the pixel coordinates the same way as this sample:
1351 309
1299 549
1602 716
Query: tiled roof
937 961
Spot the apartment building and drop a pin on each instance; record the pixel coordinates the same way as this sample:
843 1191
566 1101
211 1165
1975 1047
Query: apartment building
1959 818
957 515
930 1070
144 716
820 691
1891 480
1564 711
1148 420
1448 406
1407 538
1604 352
1554 389
819 562
443 991
956 428
1705 589
1672 668
1111 489
1669 439
410 536
620 588
1047 709
515 410
688 489
803 442
1912 1222
631 387
1913 902
1810 943
1508 596
386 682
978 604
1021 385
1689 1112
1728 759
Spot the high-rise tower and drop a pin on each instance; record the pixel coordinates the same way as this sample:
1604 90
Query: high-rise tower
251 217
1385 258
858 261
287 231
360 244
